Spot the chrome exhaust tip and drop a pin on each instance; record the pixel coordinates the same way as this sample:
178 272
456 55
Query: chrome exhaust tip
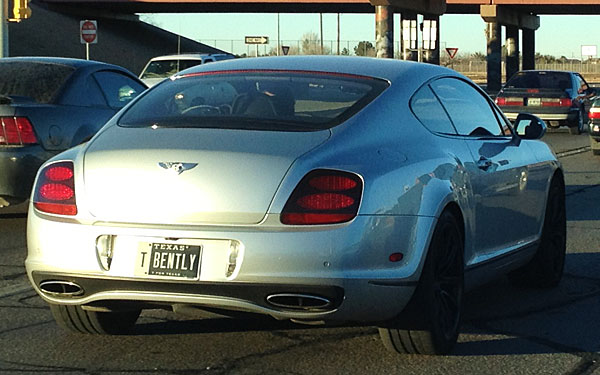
299 301
61 288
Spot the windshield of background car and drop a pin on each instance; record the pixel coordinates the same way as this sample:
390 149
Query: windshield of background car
258 100
33 80
166 68
540 80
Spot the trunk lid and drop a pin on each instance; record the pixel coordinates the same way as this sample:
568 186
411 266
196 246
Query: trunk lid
189 176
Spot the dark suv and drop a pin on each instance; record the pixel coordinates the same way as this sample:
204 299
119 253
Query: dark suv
550 95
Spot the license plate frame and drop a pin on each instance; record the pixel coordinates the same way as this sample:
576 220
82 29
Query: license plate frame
534 102
165 260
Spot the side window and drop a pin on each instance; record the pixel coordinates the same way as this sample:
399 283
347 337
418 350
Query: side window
504 123
93 94
117 88
430 112
470 111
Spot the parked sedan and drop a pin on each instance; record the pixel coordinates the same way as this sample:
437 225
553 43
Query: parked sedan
316 189
48 105
554 96
594 126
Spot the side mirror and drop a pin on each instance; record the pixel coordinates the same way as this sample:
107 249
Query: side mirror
529 126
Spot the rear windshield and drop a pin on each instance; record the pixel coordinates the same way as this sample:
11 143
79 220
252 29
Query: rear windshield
166 68
540 80
32 80
260 100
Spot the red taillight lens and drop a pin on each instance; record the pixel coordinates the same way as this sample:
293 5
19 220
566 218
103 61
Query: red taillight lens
509 101
55 189
325 201
16 131
594 113
324 197
556 102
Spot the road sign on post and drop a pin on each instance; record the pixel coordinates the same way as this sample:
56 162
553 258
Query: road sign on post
285 50
88 33
257 39
451 51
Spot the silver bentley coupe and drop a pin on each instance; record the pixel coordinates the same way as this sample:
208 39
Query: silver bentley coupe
314 189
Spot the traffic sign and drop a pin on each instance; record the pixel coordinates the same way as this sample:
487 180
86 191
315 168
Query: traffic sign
88 32
451 51
257 39
285 50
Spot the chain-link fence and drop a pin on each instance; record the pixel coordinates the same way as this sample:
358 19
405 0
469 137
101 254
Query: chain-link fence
297 47
312 46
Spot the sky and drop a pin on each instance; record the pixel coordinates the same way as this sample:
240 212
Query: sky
557 36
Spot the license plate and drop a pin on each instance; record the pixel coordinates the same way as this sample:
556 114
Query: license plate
534 101
168 260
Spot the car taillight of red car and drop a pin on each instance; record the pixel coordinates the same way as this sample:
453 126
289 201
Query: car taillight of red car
324 197
55 189
16 131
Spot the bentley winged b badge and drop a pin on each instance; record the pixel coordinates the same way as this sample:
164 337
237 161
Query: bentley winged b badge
177 167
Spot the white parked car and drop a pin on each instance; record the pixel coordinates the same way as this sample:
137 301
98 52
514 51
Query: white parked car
161 67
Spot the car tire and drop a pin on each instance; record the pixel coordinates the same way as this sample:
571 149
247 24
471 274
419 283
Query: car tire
546 268
434 312
76 319
579 124
595 146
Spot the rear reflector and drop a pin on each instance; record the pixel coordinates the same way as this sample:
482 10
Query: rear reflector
323 197
55 189
16 131
556 102
509 101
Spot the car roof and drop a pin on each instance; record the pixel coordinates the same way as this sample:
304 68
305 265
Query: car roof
188 56
387 69
76 63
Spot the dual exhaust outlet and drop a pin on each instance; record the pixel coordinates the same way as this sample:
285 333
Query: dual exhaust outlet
292 301
61 288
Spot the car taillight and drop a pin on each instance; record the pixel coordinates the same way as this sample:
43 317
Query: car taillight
55 189
509 101
324 197
16 131
594 113
556 102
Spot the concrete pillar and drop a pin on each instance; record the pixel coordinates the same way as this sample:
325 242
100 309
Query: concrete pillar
384 31
494 56
512 51
409 36
528 49
4 29
431 38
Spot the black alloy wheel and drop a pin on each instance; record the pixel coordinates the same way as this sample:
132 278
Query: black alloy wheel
436 306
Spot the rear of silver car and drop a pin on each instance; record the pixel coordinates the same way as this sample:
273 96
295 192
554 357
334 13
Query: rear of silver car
229 218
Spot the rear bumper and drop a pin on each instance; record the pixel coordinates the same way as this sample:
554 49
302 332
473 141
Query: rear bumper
346 265
18 166
569 115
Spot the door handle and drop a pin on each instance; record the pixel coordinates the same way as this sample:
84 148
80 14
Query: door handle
484 163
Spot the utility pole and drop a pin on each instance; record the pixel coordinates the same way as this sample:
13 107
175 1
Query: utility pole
321 26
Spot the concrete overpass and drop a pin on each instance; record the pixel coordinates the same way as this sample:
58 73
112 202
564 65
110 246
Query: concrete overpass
514 15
